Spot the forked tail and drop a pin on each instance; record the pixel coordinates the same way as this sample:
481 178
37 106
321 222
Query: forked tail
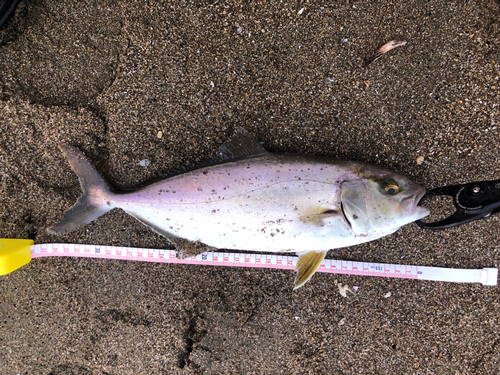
96 198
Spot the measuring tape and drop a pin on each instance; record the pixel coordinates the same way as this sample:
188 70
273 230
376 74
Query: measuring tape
485 276
16 253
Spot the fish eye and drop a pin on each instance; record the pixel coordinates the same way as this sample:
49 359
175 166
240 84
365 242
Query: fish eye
391 188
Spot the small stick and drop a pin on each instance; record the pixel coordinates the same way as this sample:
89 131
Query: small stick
385 48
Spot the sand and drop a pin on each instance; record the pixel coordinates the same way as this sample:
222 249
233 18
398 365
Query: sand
168 81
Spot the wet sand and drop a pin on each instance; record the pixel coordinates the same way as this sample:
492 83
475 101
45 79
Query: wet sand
167 81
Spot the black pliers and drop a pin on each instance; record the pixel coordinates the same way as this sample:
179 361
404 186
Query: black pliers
473 201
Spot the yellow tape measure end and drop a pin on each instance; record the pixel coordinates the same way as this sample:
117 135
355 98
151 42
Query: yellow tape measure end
14 254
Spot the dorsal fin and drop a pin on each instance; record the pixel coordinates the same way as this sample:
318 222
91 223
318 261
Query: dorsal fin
240 146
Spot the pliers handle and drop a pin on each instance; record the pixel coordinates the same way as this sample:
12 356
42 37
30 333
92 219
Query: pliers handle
473 201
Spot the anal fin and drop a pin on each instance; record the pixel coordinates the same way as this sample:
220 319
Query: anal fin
153 227
307 265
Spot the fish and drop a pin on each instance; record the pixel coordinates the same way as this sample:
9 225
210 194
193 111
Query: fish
253 200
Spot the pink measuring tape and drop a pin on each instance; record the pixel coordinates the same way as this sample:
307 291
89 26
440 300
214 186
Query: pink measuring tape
485 276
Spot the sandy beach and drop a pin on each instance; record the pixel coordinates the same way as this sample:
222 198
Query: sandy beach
169 81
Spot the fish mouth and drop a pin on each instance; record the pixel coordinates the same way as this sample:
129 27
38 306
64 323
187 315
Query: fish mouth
411 207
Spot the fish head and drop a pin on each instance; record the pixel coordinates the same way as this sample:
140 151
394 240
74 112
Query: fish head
380 202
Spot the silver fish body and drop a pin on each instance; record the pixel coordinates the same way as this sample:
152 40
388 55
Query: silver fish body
269 203
272 202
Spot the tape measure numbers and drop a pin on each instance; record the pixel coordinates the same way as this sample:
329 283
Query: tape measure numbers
485 276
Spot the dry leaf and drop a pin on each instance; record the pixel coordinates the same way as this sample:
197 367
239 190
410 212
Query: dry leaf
384 49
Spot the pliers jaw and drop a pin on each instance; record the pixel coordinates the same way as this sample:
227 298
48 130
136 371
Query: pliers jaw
473 201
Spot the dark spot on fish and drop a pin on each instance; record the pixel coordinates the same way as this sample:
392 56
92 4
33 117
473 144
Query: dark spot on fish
355 216
108 203
205 172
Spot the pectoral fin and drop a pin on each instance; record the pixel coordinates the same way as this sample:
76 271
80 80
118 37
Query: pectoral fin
324 212
318 219
307 265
